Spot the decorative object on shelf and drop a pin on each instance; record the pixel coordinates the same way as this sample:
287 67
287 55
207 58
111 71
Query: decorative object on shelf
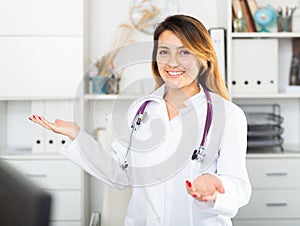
239 23
294 70
145 14
105 64
284 19
99 84
265 17
242 14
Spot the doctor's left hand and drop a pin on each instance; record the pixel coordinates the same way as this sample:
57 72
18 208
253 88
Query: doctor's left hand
205 187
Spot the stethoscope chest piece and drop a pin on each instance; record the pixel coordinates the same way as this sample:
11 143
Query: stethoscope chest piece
199 154
124 165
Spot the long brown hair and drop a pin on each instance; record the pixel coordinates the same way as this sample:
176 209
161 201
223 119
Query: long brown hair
196 39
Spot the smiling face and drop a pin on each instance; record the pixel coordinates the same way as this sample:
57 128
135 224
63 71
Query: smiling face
177 66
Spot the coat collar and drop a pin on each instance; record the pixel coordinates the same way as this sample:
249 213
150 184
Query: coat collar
158 96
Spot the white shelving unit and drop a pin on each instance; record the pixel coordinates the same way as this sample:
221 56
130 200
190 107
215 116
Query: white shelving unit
272 174
42 53
60 40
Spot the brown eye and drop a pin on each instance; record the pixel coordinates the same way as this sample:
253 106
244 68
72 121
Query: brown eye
184 52
163 52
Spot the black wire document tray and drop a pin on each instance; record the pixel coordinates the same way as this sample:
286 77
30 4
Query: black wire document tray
263 119
264 127
264 131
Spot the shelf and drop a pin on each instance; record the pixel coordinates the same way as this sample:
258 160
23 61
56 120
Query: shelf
110 97
36 98
266 35
25 154
279 155
267 96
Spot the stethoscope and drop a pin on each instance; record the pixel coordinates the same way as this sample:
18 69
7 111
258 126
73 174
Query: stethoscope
198 154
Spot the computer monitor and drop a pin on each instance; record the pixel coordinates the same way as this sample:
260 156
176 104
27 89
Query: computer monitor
22 203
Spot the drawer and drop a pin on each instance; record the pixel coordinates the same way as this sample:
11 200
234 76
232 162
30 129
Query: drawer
266 222
66 205
50 174
65 223
272 203
274 173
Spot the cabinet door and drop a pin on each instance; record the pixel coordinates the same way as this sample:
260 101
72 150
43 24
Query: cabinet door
47 17
66 205
51 174
40 66
65 223
266 222
274 173
271 204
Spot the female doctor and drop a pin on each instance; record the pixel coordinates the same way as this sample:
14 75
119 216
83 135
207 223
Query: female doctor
185 161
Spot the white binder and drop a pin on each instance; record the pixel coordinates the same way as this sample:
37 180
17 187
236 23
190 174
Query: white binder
255 66
218 37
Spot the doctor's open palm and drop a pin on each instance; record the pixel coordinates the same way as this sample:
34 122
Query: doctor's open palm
66 128
205 187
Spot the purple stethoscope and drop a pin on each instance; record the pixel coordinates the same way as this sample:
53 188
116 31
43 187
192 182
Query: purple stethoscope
198 154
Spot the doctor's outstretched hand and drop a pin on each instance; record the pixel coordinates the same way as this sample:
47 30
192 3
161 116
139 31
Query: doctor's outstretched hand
69 129
205 187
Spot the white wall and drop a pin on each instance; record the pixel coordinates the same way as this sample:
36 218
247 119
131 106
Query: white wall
105 17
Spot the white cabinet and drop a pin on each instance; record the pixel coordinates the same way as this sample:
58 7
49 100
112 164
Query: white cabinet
258 70
62 179
258 73
41 48
41 68
34 17
275 191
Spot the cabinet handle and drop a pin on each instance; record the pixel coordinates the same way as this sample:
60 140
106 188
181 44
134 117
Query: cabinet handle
276 204
277 174
36 175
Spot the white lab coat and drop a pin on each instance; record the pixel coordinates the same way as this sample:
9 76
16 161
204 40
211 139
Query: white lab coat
158 175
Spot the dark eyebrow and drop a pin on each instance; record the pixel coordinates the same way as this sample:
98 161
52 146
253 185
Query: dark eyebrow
165 47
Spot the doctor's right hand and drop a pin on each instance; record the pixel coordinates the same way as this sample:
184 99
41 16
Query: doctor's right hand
66 128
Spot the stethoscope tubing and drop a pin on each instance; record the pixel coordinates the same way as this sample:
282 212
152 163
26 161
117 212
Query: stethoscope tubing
198 154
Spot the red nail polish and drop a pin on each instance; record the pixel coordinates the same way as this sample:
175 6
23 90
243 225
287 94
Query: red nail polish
30 119
194 195
34 116
40 118
189 184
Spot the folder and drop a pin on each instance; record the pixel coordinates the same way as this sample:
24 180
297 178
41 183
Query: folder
218 37
38 132
57 109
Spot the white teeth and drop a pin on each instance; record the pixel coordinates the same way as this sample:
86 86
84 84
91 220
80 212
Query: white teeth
174 73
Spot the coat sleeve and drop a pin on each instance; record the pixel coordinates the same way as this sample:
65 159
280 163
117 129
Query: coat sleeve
231 167
90 155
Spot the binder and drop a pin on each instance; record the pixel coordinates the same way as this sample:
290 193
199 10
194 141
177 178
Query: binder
38 132
255 66
218 37
61 109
